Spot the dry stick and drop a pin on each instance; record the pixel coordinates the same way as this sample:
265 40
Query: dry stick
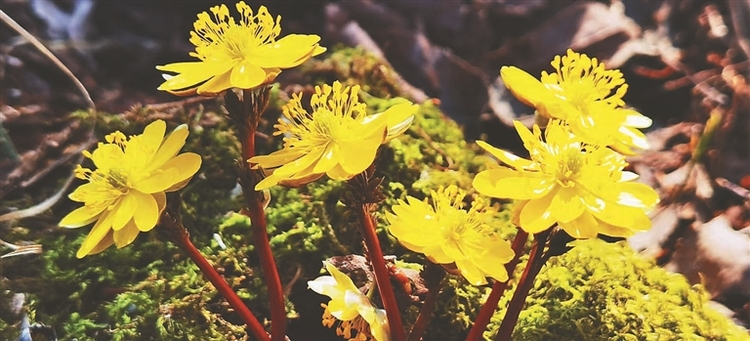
524 285
382 278
252 105
498 289
34 41
182 238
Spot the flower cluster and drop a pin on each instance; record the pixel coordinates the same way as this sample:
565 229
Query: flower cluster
125 194
575 175
448 234
242 54
337 138
350 306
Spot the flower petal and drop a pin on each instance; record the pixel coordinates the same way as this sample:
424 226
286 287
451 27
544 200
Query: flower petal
82 216
507 158
277 158
215 85
585 226
566 205
169 147
286 52
192 73
524 86
148 212
357 156
512 184
96 235
106 242
247 75
535 216
126 235
124 210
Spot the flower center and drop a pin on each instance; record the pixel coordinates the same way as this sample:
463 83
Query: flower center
569 166
581 81
218 37
335 110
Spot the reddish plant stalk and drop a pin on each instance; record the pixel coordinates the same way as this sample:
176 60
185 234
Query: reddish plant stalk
498 289
536 261
246 113
222 287
382 277
425 314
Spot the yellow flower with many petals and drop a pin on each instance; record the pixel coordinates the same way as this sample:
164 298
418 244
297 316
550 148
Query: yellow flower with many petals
447 234
338 138
125 194
581 187
242 54
586 96
350 306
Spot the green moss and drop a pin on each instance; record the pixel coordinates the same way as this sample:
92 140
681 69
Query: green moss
601 291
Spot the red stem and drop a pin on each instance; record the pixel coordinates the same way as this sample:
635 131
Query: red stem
498 289
382 277
225 290
425 314
532 269
257 216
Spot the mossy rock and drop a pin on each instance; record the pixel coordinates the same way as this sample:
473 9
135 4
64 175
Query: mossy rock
151 291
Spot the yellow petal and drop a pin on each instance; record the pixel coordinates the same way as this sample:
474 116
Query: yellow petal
328 159
124 210
507 158
472 274
585 226
524 86
176 170
247 75
107 156
300 181
399 118
170 147
631 194
511 184
535 216
356 157
192 73
148 212
96 235
215 85
82 216
337 173
566 205
286 52
126 235
106 242
278 158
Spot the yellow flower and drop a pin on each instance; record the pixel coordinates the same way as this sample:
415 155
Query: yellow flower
338 138
585 95
124 195
447 234
243 54
348 304
581 187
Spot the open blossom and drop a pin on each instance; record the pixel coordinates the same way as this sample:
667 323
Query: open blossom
337 138
447 234
581 187
586 96
243 54
350 306
125 194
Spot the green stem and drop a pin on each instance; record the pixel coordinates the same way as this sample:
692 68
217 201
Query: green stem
498 289
382 277
536 261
